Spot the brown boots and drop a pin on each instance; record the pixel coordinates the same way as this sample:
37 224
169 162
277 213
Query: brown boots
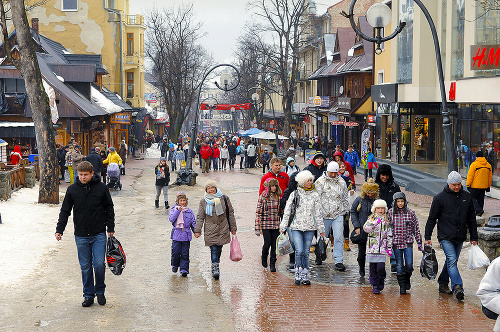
346 245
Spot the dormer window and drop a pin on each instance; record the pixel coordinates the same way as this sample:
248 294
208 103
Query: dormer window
70 5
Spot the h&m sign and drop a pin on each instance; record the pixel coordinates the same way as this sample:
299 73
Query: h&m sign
485 57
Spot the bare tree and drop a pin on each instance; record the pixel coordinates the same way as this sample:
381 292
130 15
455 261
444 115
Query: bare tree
283 19
178 60
489 5
27 64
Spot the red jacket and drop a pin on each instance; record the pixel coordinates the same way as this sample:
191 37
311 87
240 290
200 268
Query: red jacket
16 155
216 153
347 166
205 152
282 178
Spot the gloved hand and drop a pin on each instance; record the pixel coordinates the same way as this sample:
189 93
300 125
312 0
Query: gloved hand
379 221
420 247
389 252
257 232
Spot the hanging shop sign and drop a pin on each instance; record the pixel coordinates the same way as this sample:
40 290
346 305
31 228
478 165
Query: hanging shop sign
121 118
485 57
344 103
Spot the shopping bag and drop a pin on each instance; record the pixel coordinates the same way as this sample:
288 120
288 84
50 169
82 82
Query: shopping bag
235 253
429 264
115 256
477 258
320 250
183 164
283 245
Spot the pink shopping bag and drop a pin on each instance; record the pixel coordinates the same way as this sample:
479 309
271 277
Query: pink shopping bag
235 253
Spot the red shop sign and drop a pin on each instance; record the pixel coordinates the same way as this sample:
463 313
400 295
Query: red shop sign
485 57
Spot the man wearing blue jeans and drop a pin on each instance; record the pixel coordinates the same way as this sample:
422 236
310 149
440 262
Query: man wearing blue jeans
93 211
453 210
333 192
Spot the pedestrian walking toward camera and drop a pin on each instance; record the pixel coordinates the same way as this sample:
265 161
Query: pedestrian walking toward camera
292 186
216 218
224 156
93 212
479 180
205 153
317 166
241 151
379 244
404 229
267 220
183 222
232 154
162 179
360 211
266 158
368 161
122 152
179 156
334 205
306 220
290 167
453 211
275 173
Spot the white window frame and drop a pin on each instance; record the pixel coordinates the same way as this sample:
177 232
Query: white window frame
69 10
380 72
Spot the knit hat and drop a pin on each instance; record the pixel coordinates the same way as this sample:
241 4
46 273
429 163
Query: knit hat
180 195
369 187
302 177
210 183
318 154
112 149
379 203
454 177
333 167
479 154
399 195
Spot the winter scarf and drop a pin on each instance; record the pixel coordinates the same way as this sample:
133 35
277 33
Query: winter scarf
214 200
180 219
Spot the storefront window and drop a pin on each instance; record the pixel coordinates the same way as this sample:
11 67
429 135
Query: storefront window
487 33
424 139
442 40
405 42
457 39
405 139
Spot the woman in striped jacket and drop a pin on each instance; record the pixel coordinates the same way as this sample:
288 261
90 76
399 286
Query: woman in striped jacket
267 220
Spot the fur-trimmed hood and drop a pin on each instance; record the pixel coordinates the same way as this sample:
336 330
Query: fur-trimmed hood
369 186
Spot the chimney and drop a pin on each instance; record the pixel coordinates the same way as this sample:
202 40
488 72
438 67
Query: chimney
34 25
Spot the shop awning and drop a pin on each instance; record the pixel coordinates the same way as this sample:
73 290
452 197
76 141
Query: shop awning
17 129
366 108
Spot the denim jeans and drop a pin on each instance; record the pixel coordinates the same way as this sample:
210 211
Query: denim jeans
302 241
337 226
215 252
158 192
405 263
450 268
215 163
91 255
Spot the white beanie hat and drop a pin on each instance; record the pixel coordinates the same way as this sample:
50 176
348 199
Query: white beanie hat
302 177
454 177
333 167
379 203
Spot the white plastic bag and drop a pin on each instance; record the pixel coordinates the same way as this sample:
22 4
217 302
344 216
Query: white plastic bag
283 245
477 258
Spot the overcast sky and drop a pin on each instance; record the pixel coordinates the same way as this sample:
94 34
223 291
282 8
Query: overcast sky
224 20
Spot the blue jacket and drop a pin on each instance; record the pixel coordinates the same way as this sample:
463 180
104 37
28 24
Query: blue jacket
352 158
182 234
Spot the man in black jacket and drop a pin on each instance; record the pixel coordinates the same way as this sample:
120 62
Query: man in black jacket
93 211
95 159
232 154
317 166
453 210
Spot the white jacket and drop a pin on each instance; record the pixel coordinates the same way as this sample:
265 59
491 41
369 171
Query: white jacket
224 153
308 212
489 290
333 196
251 150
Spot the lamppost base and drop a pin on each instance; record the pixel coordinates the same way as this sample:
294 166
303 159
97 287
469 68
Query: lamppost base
186 177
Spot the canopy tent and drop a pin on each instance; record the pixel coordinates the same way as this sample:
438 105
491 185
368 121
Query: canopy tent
3 151
267 135
251 131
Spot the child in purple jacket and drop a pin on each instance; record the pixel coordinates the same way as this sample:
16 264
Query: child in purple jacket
183 221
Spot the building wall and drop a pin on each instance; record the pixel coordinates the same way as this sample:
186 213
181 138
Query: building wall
90 30
339 21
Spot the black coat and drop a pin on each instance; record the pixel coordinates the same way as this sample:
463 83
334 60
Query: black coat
232 151
61 157
315 170
454 213
165 181
358 218
386 189
92 208
96 162
292 186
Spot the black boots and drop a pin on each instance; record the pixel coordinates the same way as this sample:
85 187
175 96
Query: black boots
166 205
264 261
407 279
272 265
87 301
291 264
157 204
402 282
101 299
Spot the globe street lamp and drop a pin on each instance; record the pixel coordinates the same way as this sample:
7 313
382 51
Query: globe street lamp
379 16
255 98
186 176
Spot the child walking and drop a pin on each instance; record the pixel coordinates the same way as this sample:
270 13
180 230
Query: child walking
379 244
405 228
183 222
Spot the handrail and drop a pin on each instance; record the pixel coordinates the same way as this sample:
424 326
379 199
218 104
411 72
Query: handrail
17 178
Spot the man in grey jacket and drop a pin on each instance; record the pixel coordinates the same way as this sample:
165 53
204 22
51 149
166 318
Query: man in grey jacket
333 192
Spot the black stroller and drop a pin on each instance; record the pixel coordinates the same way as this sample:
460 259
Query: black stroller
114 176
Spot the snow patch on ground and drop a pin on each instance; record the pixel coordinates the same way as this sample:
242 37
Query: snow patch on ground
153 152
26 234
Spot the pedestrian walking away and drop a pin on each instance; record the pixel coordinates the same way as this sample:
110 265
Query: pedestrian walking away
368 161
303 217
334 205
216 218
453 211
183 222
267 220
242 152
93 212
479 180
95 159
352 157
232 154
275 173
122 152
266 158
379 244
162 179
251 153
404 229
360 211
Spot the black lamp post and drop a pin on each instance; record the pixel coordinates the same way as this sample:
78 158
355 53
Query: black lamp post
379 16
255 98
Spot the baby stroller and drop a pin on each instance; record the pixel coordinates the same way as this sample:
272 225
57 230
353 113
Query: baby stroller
114 176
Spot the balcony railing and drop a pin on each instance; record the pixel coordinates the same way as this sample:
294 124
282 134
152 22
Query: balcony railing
134 19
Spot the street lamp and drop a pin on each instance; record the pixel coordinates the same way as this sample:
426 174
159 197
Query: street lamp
185 177
255 98
379 16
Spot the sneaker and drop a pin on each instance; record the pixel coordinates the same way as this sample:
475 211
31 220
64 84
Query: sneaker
175 269
376 290
101 299
459 292
340 267
304 276
184 274
298 280
87 301
445 289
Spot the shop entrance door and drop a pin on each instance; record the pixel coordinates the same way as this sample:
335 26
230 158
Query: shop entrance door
424 133
120 134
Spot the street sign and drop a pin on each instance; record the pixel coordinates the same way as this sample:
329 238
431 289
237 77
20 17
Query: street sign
222 116
167 124
317 101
